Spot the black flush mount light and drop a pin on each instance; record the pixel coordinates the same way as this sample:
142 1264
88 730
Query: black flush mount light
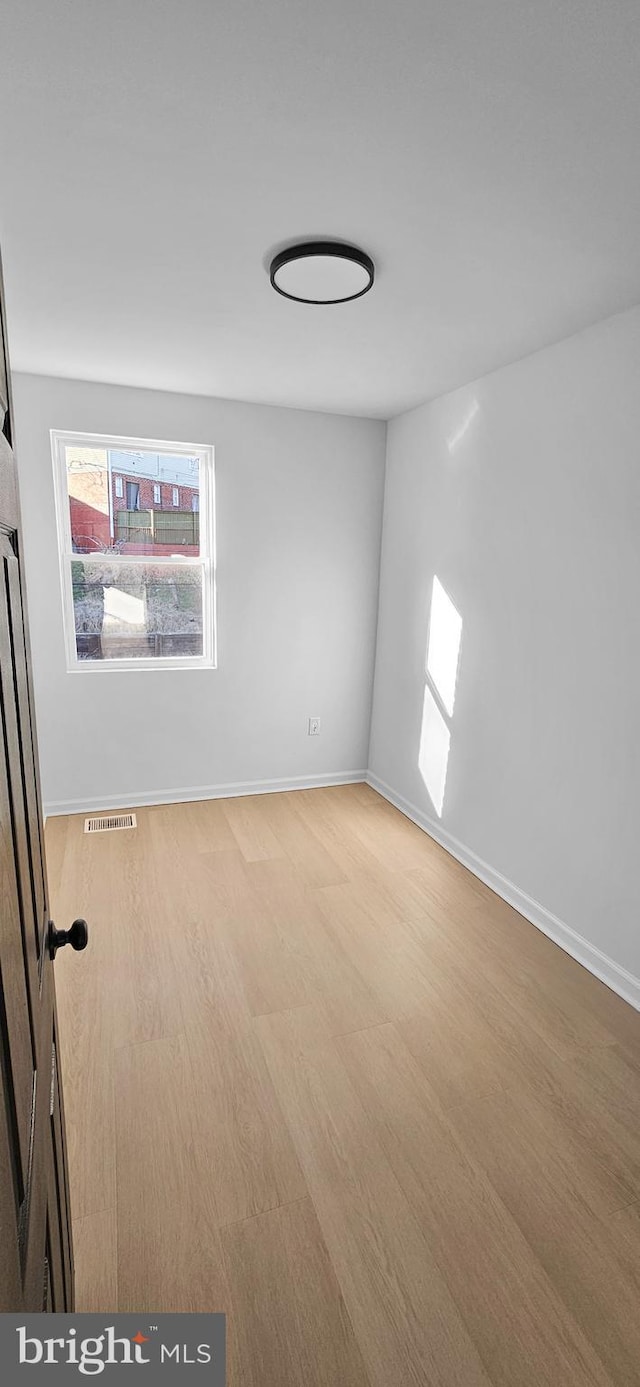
322 272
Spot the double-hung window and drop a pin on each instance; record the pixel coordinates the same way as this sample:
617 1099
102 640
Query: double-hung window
138 583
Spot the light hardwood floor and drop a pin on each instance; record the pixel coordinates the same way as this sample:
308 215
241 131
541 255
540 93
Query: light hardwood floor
320 1077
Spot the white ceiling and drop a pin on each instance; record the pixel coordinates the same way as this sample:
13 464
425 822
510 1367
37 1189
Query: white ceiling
155 153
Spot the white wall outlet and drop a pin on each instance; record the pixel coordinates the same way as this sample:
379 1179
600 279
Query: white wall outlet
314 727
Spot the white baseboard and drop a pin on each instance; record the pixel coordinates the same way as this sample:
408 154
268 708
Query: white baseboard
196 792
609 972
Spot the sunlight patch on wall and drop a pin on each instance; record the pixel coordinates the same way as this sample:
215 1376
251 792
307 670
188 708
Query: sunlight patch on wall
445 631
455 438
434 750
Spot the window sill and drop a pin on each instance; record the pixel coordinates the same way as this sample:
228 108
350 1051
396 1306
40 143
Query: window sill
143 666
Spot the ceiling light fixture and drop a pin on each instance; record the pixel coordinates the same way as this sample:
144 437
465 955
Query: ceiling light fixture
322 272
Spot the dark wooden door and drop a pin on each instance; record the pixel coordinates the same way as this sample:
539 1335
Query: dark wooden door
36 1270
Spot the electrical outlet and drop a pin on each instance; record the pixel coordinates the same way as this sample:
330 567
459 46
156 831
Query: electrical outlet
314 727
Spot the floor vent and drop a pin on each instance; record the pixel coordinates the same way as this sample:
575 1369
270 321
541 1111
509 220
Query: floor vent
106 823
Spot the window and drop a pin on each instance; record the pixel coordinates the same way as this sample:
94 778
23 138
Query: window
138 585
119 488
176 496
195 502
157 497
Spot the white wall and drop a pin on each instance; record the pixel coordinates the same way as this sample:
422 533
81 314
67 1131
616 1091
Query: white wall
522 493
299 510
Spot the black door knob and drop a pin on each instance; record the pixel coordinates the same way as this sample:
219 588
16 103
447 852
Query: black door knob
77 936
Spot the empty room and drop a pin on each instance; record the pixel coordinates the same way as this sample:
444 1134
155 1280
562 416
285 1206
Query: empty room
319 670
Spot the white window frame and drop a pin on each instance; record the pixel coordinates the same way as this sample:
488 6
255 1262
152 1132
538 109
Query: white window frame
157 494
175 497
119 489
207 560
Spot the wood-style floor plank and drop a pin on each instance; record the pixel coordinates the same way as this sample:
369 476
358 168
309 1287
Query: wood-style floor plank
327 812
201 827
95 1250
625 1228
550 1193
248 818
407 1324
397 843
318 1076
292 1323
138 985
237 1124
384 952
314 865
287 958
169 1252
520 963
523 1331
